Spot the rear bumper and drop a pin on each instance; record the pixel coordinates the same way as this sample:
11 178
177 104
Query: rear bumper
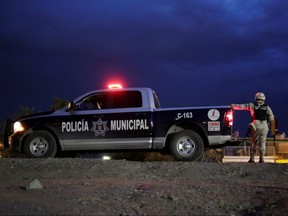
219 139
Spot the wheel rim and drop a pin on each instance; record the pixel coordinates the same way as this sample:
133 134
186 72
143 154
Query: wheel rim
39 146
186 146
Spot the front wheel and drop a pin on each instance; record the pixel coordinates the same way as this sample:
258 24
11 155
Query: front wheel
187 146
40 144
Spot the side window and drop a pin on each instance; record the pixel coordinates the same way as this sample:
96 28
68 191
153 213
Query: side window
110 100
125 99
92 102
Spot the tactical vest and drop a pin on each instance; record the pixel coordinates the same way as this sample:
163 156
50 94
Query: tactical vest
260 112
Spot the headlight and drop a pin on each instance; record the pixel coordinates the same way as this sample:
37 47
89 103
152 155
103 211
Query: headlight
18 127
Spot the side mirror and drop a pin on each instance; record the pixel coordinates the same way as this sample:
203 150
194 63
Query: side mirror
70 106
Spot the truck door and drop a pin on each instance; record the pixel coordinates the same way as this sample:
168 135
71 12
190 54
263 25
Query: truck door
107 120
85 126
130 125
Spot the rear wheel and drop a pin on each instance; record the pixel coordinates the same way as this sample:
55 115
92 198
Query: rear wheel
187 145
40 144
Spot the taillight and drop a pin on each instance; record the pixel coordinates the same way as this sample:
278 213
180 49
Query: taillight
229 118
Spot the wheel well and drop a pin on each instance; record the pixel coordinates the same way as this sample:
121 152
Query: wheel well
40 129
186 126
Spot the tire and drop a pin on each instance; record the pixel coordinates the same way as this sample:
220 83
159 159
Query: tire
187 145
40 144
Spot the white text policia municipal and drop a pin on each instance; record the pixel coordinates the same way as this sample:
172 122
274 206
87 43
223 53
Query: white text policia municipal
115 125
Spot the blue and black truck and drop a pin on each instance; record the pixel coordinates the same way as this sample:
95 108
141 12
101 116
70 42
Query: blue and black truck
121 119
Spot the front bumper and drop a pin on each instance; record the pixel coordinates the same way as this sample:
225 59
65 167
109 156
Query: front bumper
11 140
15 141
8 131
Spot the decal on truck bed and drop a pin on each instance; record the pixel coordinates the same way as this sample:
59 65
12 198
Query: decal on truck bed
213 114
213 126
185 115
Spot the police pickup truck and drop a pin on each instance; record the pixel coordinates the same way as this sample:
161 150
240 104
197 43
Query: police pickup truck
121 119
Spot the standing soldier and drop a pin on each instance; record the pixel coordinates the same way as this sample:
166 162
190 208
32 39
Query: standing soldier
261 115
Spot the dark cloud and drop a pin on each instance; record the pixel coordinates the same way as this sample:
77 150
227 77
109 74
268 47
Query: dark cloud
196 52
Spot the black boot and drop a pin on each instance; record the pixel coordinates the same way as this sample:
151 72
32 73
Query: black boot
261 159
251 160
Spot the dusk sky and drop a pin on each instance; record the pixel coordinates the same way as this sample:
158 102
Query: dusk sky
191 52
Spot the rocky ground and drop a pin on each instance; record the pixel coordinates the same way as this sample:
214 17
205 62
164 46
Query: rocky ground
89 186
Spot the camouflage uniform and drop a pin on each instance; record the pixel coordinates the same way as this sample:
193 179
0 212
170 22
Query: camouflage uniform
261 115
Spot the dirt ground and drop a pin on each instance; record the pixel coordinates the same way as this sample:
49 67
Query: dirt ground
89 186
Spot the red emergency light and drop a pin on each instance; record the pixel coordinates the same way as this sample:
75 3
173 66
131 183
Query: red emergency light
115 86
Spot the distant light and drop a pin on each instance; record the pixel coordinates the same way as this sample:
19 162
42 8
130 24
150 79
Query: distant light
115 86
106 157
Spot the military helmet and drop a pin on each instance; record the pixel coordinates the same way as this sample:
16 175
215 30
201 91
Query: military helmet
260 96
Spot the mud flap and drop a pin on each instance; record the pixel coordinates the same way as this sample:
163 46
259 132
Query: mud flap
8 130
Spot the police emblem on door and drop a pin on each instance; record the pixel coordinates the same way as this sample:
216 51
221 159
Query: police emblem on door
99 127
